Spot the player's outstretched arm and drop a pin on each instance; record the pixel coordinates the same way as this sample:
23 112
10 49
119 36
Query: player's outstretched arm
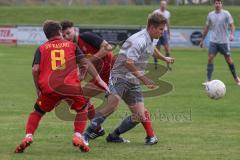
232 30
135 71
105 47
160 56
205 32
93 72
35 74
82 71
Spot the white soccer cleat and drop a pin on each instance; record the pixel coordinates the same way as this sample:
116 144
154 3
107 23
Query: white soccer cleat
237 81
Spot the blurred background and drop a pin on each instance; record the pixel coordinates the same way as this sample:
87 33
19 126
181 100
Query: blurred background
113 2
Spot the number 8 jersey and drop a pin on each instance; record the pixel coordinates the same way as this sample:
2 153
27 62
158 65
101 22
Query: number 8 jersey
57 59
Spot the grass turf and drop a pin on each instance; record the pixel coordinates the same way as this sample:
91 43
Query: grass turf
190 126
102 15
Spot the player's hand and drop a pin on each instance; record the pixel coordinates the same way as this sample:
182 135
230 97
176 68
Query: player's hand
102 84
169 59
201 44
108 47
231 37
148 82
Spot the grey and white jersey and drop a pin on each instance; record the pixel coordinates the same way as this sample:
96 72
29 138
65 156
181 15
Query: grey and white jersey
139 47
218 26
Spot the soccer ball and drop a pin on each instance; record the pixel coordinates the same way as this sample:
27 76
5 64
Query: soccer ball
215 89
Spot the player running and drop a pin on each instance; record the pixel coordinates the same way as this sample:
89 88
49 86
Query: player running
217 23
100 54
55 74
127 72
163 40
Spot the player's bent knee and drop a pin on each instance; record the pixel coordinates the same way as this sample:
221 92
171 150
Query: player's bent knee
114 99
138 117
38 109
228 59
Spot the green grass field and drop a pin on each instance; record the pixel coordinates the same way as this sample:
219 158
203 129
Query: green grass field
110 15
190 127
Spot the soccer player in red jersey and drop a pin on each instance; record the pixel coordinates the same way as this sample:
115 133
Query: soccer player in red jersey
55 73
100 54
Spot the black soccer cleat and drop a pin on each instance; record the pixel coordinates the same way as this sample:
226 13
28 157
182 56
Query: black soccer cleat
116 139
95 134
151 140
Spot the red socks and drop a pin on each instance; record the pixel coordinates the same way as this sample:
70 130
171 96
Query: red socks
147 124
35 117
33 121
80 121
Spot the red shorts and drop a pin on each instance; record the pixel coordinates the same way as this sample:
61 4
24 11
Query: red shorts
47 102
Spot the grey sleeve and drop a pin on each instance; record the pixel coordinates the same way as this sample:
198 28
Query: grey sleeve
208 20
229 18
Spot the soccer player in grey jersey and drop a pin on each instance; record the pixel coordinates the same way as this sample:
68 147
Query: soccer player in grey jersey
125 78
163 40
217 23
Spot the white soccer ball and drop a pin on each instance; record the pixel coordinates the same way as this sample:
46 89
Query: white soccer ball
215 89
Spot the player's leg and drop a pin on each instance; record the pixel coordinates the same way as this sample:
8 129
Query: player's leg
138 115
134 99
142 115
117 88
93 89
31 126
212 52
45 103
225 50
158 46
91 112
210 66
166 47
101 115
78 103
127 124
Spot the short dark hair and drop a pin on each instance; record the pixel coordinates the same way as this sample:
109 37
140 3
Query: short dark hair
66 24
156 19
51 28
217 1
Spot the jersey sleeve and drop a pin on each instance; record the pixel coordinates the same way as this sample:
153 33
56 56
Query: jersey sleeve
208 20
92 39
37 57
79 54
229 18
